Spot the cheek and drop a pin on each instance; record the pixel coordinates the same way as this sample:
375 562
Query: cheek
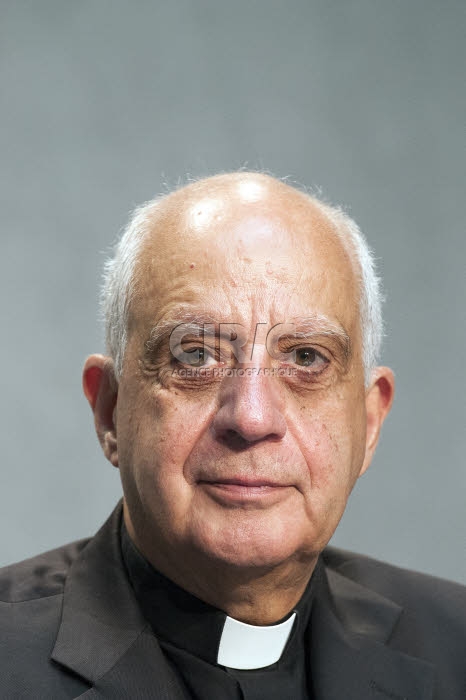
333 448
322 451
155 440
329 453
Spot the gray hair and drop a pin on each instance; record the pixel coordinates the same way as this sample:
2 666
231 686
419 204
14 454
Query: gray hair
119 275
118 281
370 292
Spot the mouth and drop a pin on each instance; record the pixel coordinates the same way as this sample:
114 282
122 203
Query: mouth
242 491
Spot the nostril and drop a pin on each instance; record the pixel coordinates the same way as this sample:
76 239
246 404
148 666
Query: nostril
234 440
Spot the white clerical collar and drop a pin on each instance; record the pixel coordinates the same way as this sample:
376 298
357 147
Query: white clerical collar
247 647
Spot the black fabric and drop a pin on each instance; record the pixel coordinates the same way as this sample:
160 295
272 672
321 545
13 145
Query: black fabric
189 632
71 627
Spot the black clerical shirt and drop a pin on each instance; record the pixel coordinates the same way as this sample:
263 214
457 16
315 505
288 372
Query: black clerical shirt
189 632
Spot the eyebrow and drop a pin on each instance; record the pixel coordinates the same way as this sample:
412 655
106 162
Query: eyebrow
162 330
314 325
306 327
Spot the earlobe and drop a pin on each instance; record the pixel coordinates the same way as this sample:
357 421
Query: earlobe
101 390
379 399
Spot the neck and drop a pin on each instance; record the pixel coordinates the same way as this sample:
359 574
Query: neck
260 600
255 595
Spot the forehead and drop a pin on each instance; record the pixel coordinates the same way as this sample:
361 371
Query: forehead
243 246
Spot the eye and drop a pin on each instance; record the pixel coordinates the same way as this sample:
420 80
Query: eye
198 356
195 356
308 357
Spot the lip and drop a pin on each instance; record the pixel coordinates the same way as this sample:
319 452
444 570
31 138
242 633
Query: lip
244 491
243 481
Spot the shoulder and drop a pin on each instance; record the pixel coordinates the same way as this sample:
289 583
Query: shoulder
421 616
31 593
401 585
432 610
31 596
39 577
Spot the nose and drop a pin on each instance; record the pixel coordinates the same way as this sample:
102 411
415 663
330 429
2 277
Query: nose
251 408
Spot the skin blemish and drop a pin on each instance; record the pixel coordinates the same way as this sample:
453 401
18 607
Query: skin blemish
192 266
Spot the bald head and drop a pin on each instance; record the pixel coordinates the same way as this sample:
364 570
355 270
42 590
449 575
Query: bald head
191 213
247 228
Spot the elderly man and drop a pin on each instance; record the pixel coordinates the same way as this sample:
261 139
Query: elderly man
240 400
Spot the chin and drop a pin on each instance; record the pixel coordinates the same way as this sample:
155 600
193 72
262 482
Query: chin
247 547
257 561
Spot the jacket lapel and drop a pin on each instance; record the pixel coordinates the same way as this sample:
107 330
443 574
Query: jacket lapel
103 636
350 657
142 673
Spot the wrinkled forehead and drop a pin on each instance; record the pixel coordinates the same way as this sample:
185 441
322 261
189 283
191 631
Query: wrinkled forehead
244 238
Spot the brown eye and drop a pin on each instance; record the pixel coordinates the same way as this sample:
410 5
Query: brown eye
197 356
306 357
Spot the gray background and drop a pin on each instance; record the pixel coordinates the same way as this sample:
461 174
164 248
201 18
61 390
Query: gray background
105 104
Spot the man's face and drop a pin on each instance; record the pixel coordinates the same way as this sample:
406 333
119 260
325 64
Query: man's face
252 468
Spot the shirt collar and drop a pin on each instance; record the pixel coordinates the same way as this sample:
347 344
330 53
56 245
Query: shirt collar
188 623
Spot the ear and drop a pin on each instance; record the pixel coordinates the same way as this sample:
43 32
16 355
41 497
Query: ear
379 399
101 390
